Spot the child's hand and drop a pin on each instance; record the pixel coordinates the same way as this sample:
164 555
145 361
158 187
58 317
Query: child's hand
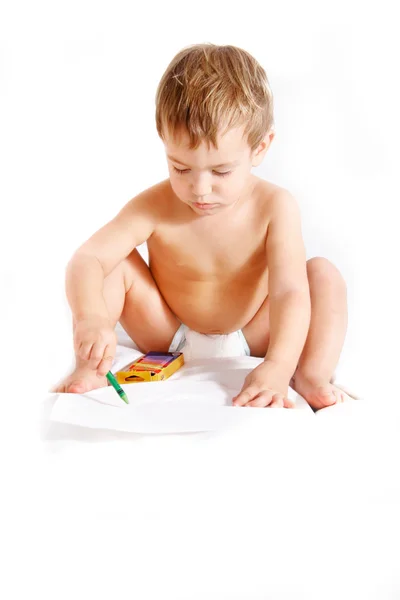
265 386
95 342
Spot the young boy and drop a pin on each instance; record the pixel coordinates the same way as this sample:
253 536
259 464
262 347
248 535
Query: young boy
226 252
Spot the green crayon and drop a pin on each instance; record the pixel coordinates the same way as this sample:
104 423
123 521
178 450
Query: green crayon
117 387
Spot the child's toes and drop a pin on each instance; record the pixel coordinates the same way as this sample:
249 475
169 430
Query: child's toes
58 389
325 396
77 387
320 397
338 395
318 394
82 380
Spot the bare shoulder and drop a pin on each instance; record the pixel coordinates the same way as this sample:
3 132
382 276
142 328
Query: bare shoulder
151 200
275 199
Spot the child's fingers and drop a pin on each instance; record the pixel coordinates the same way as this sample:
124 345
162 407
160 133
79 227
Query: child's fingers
280 401
97 354
85 350
106 362
287 403
277 401
262 400
245 396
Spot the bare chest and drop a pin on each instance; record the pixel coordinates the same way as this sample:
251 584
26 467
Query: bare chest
214 251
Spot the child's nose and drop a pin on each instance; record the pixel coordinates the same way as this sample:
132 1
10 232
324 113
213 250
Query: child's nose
200 191
201 186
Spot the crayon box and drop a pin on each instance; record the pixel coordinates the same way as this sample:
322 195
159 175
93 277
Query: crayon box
153 366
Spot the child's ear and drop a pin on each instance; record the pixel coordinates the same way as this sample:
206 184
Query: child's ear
260 152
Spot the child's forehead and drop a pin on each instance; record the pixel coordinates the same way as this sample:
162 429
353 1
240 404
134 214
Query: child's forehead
230 146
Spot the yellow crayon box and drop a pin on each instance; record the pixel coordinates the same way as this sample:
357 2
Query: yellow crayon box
153 366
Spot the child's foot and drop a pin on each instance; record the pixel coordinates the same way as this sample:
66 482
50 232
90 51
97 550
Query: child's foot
318 394
80 381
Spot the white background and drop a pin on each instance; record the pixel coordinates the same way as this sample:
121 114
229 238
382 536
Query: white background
78 140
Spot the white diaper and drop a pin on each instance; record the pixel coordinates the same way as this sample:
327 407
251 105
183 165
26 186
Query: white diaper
200 345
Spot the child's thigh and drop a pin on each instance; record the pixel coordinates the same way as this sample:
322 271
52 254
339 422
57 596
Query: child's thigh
145 316
256 331
127 283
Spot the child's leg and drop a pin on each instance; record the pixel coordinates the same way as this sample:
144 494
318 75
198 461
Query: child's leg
326 335
143 312
132 297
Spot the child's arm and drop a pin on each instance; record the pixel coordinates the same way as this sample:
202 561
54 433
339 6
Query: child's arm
290 306
103 251
289 295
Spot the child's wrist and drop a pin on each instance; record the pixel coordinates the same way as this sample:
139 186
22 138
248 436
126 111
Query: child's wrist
91 314
284 368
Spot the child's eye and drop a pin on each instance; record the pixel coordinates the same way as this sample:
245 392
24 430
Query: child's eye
224 174
184 171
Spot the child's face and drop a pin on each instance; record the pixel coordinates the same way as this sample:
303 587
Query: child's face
209 179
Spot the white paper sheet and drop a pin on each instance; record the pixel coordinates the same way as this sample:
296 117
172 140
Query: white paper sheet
157 407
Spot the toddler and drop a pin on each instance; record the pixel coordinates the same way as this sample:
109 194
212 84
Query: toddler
226 253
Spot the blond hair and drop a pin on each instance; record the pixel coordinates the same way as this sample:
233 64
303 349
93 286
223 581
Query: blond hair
208 89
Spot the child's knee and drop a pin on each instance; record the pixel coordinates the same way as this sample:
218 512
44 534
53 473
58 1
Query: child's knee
131 270
322 271
136 271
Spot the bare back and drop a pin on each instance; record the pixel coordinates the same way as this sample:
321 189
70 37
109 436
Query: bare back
212 271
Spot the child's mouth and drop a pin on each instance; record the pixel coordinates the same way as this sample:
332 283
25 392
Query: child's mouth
202 206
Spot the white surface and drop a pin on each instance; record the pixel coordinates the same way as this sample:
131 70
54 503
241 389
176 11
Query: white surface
189 403
283 502
195 398
158 407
